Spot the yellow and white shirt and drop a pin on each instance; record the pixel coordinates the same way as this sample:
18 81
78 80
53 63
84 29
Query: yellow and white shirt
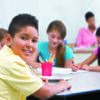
16 78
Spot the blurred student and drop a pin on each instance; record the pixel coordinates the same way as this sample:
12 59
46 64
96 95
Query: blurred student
3 32
17 79
56 32
95 55
86 36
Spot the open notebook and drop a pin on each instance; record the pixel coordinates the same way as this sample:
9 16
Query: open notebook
56 77
61 73
57 70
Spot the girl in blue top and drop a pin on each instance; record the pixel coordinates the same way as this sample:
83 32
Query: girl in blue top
63 54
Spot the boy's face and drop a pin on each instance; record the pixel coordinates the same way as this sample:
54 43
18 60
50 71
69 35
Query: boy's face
54 39
24 42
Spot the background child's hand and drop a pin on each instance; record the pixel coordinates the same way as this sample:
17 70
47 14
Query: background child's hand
76 67
85 67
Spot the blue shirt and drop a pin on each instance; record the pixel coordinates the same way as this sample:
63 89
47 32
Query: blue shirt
43 51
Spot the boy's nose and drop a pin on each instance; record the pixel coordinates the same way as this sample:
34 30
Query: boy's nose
29 43
35 46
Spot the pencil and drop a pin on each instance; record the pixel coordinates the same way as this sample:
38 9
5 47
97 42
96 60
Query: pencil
51 59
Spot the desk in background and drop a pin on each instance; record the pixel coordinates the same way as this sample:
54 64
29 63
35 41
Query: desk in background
83 50
81 54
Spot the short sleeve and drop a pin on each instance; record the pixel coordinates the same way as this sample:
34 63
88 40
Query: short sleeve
68 53
79 38
23 80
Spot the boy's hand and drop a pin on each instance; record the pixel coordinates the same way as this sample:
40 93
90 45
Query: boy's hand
65 83
45 80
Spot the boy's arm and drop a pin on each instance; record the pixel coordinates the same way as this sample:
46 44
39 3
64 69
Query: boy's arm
49 90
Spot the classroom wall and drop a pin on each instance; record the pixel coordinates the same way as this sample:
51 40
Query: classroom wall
71 12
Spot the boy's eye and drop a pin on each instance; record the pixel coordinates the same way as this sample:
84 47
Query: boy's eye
24 38
34 41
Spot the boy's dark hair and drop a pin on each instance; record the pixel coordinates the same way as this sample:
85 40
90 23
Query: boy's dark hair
20 21
88 15
98 54
3 32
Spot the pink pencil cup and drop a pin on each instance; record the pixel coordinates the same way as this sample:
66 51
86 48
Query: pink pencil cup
46 69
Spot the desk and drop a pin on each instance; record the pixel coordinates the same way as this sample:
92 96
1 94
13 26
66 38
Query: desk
82 83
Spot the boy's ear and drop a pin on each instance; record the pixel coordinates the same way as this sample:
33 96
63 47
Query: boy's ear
8 39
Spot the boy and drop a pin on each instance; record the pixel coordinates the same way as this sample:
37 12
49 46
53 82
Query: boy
17 80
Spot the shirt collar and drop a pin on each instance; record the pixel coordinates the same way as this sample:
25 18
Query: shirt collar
6 49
